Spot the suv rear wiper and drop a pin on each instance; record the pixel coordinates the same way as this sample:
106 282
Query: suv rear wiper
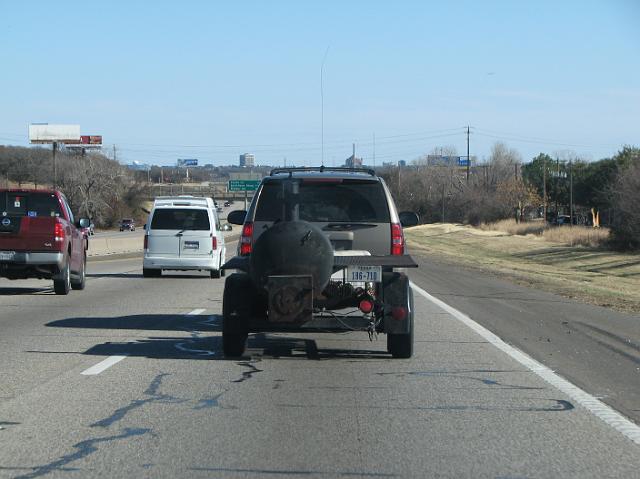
348 226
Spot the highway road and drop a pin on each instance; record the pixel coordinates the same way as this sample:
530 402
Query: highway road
127 379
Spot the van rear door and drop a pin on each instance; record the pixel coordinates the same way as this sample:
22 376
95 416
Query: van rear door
163 239
196 236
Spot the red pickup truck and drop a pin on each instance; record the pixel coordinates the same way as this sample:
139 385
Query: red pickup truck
39 239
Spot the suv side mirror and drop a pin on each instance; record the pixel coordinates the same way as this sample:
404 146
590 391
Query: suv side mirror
409 218
237 217
83 223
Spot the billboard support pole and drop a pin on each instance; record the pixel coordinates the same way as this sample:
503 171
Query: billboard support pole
245 199
55 171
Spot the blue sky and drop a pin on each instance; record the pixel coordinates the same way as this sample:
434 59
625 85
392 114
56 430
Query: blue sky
211 80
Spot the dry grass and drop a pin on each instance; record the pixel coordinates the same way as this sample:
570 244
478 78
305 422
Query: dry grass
577 236
568 235
513 228
592 275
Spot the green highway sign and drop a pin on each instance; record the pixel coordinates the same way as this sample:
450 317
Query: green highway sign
243 185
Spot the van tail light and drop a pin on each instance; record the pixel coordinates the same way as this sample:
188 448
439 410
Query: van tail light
245 239
146 241
397 240
214 243
58 232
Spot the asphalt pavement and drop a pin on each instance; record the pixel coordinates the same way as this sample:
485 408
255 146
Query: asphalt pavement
127 379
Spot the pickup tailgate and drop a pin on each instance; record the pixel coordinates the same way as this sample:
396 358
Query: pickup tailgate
24 233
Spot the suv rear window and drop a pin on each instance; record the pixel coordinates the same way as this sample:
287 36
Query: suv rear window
180 219
344 201
16 203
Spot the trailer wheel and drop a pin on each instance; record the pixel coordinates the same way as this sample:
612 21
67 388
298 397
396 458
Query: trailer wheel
401 345
236 309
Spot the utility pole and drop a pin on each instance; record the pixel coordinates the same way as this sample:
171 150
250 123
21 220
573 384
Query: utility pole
468 157
374 149
557 185
443 185
544 188
55 170
570 192
114 153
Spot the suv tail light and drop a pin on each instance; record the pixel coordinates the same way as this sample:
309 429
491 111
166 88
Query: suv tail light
397 240
214 243
146 241
245 239
58 232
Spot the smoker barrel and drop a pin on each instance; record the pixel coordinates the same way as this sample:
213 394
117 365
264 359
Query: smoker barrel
292 248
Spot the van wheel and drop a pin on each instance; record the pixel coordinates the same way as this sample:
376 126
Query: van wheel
62 281
151 273
215 273
79 283
236 308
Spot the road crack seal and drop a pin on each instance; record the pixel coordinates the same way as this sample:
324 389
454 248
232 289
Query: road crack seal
247 374
84 449
152 391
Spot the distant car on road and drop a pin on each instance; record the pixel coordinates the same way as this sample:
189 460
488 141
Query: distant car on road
127 224
227 203
183 233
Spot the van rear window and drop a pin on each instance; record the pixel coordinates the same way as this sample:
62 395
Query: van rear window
17 203
180 219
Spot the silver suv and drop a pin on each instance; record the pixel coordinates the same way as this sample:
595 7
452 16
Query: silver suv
317 246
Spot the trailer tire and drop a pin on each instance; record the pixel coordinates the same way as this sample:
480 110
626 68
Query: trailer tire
236 309
401 345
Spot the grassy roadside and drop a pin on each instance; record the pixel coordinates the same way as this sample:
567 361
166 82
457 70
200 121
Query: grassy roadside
587 274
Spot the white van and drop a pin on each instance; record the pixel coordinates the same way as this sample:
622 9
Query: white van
183 233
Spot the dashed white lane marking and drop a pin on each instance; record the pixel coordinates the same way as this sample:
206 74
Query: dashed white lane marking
586 400
111 360
102 365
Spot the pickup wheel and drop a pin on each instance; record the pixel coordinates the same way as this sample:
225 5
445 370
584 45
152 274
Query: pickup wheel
401 345
151 273
236 309
80 282
62 281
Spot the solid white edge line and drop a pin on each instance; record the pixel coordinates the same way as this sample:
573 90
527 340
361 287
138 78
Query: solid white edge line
596 407
102 365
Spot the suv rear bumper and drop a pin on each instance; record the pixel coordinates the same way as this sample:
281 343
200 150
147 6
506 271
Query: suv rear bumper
28 258
207 263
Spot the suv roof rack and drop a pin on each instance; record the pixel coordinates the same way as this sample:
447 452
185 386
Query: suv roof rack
322 169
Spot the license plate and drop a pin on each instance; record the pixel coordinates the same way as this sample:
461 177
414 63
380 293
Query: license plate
370 274
7 255
191 245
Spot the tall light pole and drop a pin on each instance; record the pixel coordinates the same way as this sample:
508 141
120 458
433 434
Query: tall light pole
322 103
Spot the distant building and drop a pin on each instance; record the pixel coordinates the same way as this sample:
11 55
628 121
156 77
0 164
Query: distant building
247 160
402 163
353 161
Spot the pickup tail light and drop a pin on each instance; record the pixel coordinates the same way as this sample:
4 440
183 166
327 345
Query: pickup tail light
146 241
214 243
58 232
245 239
397 240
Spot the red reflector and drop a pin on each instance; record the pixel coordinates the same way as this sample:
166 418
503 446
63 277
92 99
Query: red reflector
146 242
214 243
245 239
399 313
397 240
58 232
366 306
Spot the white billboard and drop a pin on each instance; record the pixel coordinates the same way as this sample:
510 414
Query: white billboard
45 133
